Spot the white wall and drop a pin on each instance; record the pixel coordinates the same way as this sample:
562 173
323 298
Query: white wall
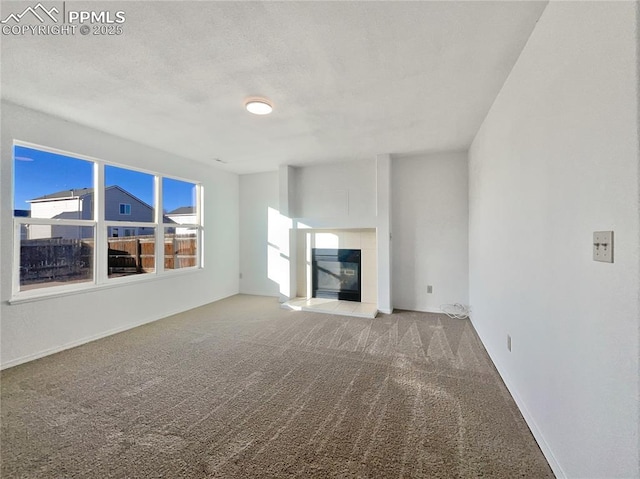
430 230
351 195
274 206
33 329
556 159
258 193
338 194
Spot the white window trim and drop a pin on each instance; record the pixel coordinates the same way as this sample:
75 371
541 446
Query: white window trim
59 291
100 225
130 224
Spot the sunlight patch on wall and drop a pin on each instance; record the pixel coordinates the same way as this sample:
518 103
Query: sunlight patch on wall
278 251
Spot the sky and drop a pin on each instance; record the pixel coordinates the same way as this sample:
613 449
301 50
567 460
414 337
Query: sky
38 173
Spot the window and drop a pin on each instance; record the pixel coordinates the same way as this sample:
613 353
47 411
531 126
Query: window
181 221
54 229
129 255
49 185
130 248
62 227
58 255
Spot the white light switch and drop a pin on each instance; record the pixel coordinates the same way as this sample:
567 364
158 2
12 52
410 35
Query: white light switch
603 246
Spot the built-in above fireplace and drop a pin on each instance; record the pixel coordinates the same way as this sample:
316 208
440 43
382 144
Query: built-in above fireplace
336 274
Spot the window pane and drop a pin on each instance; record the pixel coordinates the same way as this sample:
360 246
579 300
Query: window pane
128 195
48 185
131 251
179 201
53 255
180 248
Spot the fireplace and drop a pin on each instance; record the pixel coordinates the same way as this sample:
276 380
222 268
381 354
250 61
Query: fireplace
336 274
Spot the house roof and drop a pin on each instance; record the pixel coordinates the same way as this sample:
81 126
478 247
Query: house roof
73 193
68 215
183 210
80 192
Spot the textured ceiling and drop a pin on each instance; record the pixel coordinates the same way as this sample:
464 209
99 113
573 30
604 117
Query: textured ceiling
348 80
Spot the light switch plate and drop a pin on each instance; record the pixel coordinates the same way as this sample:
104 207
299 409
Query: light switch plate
603 246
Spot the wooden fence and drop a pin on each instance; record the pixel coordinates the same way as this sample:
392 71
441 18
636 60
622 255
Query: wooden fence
63 260
179 251
132 255
55 259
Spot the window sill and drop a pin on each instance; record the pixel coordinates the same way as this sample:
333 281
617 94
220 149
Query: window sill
40 295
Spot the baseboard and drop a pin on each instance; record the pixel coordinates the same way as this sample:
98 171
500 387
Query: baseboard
535 430
433 310
95 337
421 310
269 294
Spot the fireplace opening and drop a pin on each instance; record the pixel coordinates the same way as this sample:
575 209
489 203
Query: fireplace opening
336 274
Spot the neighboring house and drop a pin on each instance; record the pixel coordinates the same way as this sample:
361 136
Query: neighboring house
120 205
23 227
185 215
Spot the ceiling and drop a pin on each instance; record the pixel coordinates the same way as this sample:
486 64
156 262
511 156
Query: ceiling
348 80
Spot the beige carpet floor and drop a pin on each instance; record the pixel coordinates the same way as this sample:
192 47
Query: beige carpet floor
243 389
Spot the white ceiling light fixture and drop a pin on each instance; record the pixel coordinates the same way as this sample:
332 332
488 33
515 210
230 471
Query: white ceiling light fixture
258 106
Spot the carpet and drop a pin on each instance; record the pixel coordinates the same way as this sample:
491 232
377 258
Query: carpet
243 389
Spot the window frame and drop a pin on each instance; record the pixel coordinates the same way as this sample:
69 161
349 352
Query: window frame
100 227
198 226
127 209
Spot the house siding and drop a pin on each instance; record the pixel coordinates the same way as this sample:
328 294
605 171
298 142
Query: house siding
140 212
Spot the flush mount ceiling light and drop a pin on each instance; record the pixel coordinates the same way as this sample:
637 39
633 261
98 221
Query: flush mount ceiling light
258 106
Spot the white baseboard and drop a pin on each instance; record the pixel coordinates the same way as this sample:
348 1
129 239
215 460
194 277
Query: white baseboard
95 337
433 310
421 310
535 430
73 344
269 294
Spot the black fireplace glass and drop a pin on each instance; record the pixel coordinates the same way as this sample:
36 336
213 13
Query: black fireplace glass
336 274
